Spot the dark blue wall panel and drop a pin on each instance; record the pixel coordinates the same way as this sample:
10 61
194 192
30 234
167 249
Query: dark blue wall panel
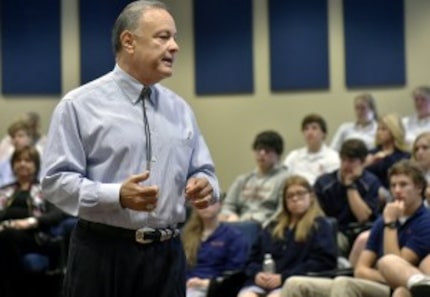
97 18
30 47
374 43
223 46
298 44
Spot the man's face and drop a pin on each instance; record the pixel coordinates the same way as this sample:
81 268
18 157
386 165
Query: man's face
155 46
362 110
313 134
265 158
350 166
422 103
403 188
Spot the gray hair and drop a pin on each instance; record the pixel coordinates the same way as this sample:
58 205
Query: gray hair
129 18
424 90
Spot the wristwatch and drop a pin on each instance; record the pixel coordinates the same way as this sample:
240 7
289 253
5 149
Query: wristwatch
351 187
391 225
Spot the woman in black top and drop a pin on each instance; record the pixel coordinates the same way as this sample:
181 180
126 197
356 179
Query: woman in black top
24 219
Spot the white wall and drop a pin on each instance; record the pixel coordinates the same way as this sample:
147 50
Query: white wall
230 123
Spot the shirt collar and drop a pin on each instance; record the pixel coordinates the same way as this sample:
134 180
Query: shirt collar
367 127
277 167
130 86
422 121
320 152
421 209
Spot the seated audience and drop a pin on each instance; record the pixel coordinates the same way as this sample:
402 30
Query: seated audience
419 121
316 158
20 136
364 126
407 279
421 154
349 194
403 229
24 218
298 240
255 195
211 248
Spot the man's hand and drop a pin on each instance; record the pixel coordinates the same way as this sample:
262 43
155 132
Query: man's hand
137 197
199 192
393 210
196 282
350 177
20 224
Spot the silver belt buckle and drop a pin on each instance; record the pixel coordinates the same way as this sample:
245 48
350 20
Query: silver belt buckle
140 235
166 234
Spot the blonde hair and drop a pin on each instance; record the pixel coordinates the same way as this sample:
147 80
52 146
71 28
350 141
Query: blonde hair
307 222
395 126
190 236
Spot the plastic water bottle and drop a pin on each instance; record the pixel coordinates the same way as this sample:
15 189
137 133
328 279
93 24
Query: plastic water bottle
269 264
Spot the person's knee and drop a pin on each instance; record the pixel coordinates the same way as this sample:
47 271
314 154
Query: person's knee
297 286
358 246
343 286
342 281
385 262
425 265
363 237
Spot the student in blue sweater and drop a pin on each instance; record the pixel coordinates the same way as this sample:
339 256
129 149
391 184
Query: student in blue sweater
300 240
211 248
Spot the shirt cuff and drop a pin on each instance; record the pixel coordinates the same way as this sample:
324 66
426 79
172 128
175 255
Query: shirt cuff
110 194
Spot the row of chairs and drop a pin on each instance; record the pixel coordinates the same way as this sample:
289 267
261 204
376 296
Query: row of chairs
47 272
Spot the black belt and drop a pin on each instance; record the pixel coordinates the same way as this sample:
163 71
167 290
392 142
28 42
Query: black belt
144 235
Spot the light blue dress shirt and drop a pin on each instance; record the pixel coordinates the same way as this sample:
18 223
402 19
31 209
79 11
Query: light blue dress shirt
96 140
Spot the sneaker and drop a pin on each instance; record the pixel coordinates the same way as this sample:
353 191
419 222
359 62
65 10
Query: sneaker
421 288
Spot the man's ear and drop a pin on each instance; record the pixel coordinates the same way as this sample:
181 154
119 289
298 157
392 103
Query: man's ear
127 40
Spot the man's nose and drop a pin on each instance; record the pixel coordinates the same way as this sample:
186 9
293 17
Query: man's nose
174 46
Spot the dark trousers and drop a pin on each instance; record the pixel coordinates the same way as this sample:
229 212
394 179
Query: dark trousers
101 265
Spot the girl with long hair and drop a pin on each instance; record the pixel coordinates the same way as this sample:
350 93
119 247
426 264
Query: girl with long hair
390 147
299 239
211 249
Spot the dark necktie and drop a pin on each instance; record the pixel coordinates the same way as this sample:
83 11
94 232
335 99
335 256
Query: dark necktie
145 95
